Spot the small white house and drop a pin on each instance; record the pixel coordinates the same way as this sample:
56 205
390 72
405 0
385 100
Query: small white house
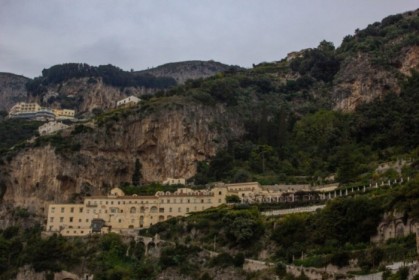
173 181
51 127
128 102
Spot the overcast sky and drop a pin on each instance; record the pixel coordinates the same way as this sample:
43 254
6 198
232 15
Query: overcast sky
138 34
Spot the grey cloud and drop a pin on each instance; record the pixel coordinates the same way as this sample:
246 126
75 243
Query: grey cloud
35 34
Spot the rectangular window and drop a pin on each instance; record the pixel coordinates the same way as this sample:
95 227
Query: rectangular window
170 210
52 209
61 219
51 219
187 210
71 219
62 209
81 210
72 210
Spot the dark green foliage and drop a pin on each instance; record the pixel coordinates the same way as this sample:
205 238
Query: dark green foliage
205 276
320 143
239 260
393 120
404 199
221 166
342 221
280 269
340 259
240 228
79 129
224 90
320 63
62 145
347 220
50 254
179 256
232 199
15 131
222 260
110 75
137 176
383 41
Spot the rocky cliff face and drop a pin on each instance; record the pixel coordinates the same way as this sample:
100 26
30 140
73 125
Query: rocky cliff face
183 71
12 90
360 82
409 60
380 57
84 95
167 142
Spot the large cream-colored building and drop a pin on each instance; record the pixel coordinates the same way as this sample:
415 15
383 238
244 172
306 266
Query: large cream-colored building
63 114
23 107
120 213
117 212
34 111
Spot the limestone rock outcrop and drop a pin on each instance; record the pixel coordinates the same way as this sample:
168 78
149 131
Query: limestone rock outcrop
12 90
168 142
359 82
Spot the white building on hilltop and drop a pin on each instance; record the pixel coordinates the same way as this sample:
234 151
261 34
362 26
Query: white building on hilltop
128 102
51 127
173 181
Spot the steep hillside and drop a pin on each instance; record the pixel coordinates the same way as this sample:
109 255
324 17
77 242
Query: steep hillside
168 136
376 59
85 95
12 90
272 123
185 70
84 88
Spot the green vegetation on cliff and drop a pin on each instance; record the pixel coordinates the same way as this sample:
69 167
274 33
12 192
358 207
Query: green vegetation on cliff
321 143
109 74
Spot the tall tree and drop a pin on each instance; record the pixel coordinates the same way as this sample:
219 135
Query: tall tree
137 176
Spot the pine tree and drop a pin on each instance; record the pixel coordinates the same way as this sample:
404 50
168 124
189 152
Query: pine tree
136 176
